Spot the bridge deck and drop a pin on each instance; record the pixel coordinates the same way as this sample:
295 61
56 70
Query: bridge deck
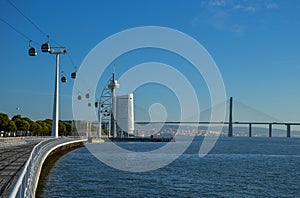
12 158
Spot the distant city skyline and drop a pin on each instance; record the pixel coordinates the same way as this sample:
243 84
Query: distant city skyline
254 43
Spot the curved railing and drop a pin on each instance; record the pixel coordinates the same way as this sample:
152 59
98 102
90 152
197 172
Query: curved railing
27 182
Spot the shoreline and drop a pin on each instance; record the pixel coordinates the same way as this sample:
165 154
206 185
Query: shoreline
48 164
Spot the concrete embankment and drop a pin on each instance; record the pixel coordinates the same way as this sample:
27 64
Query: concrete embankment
65 147
27 182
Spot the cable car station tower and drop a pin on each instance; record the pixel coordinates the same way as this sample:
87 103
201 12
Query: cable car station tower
56 51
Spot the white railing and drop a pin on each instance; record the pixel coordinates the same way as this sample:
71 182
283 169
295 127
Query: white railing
28 180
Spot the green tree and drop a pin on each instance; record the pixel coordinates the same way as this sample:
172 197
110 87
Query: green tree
69 127
22 125
27 119
49 126
62 128
48 121
65 127
30 122
45 127
4 119
35 128
11 126
16 117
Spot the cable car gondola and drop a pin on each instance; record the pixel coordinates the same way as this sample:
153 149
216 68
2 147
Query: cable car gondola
32 51
46 46
73 75
63 79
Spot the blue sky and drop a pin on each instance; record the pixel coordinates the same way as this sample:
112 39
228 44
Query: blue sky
254 43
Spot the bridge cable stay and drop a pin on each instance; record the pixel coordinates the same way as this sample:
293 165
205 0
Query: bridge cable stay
248 113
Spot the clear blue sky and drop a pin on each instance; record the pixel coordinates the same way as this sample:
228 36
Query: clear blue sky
255 44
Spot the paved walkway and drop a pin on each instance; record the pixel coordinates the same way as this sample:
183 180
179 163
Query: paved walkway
13 156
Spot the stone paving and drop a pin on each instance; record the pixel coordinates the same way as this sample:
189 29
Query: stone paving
13 156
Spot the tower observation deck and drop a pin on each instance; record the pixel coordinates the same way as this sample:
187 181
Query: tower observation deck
113 85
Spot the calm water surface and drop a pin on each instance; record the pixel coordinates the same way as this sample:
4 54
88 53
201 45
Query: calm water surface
236 167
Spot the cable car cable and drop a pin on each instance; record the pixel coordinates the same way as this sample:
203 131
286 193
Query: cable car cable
41 31
73 75
28 19
18 31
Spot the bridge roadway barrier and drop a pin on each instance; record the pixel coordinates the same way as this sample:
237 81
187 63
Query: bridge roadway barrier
27 182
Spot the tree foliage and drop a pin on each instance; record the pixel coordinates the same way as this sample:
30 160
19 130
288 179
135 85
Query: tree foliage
24 124
16 117
11 126
35 127
4 119
45 127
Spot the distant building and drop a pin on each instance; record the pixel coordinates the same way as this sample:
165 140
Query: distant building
125 114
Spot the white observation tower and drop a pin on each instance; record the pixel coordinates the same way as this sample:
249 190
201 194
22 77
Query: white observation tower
112 86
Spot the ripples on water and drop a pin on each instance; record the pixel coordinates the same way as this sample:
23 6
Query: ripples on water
236 167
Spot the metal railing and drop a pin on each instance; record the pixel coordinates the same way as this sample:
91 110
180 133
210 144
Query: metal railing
28 180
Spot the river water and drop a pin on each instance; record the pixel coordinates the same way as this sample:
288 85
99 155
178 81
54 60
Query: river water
236 167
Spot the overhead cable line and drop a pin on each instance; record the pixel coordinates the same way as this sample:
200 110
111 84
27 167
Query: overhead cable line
33 50
30 21
18 31
72 62
39 29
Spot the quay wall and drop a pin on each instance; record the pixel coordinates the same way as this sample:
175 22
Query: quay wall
27 182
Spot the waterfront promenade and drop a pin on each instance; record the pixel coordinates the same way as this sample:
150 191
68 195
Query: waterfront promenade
14 153
22 160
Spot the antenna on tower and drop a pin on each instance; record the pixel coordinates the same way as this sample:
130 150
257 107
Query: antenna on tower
114 72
